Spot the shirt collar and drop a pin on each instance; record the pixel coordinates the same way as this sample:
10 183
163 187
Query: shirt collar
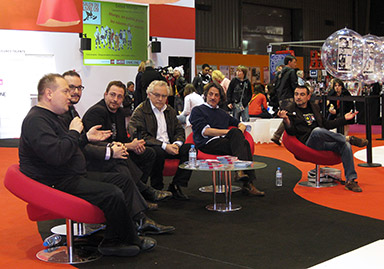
153 107
208 105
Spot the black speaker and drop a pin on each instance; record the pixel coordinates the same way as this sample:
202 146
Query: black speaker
85 43
156 46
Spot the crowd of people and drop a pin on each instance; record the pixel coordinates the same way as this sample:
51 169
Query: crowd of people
114 156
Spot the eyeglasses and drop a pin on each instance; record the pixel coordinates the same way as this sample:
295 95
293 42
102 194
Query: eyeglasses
72 88
158 95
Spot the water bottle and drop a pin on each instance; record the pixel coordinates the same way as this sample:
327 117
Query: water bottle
192 156
279 177
52 240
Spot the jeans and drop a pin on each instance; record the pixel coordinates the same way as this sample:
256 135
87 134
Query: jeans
323 139
244 114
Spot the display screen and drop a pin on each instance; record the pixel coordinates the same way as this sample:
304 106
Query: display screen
118 33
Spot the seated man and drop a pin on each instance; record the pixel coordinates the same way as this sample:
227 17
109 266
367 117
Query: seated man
156 122
306 123
211 134
122 154
50 153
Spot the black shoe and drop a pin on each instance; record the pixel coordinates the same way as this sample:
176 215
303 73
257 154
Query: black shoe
241 176
116 248
276 141
148 226
147 243
177 192
358 142
155 195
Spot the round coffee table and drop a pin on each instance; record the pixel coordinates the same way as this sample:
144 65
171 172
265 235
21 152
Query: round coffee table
226 169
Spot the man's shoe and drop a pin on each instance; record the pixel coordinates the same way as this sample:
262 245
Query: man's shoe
250 190
147 243
154 195
177 192
116 248
276 141
152 206
358 142
148 226
352 186
241 176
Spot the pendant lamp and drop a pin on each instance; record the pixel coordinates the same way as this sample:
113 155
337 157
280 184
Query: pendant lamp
57 13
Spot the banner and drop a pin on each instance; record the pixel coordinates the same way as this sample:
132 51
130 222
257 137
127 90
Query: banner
118 32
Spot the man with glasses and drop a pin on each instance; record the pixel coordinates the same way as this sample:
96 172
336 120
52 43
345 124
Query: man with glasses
156 122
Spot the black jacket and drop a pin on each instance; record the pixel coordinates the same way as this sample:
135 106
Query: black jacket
236 89
286 83
143 123
149 75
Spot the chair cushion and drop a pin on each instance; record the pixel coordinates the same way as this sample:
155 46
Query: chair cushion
307 154
170 167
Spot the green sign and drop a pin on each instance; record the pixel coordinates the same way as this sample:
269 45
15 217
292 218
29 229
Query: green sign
118 33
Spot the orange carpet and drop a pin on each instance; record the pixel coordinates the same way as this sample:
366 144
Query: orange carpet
368 203
19 238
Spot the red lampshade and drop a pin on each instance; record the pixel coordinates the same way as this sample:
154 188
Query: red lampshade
57 13
156 2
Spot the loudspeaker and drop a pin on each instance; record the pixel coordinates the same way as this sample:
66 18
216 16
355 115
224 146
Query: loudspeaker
156 46
85 43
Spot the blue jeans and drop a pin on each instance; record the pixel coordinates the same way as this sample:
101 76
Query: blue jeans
244 114
323 139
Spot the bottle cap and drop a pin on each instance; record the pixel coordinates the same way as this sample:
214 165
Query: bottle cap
192 146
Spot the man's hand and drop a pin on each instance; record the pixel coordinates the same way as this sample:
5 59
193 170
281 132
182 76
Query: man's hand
332 110
350 115
172 149
95 135
283 114
242 127
119 151
76 125
230 106
138 146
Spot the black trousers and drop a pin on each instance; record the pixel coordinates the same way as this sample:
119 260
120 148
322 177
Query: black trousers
234 144
115 196
144 161
181 177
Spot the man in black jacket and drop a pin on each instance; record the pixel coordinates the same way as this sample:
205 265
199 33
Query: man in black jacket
286 84
202 79
306 123
149 75
156 122
50 153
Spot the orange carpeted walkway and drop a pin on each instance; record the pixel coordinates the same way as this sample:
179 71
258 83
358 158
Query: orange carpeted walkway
19 237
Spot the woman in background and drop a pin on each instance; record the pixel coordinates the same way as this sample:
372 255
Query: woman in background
137 94
218 76
334 108
258 105
191 99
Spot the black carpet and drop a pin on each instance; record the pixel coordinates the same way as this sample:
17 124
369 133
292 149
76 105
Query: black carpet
280 230
9 143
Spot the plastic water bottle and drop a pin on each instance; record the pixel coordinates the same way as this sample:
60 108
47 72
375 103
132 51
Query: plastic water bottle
279 177
192 156
52 240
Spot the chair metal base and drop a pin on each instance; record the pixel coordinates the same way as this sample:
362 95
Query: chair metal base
79 229
60 255
219 188
222 207
313 184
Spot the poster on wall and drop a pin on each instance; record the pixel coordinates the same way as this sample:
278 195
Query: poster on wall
265 75
225 70
274 61
118 33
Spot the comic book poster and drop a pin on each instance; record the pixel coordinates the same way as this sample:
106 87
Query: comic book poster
225 70
265 75
118 33
344 59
